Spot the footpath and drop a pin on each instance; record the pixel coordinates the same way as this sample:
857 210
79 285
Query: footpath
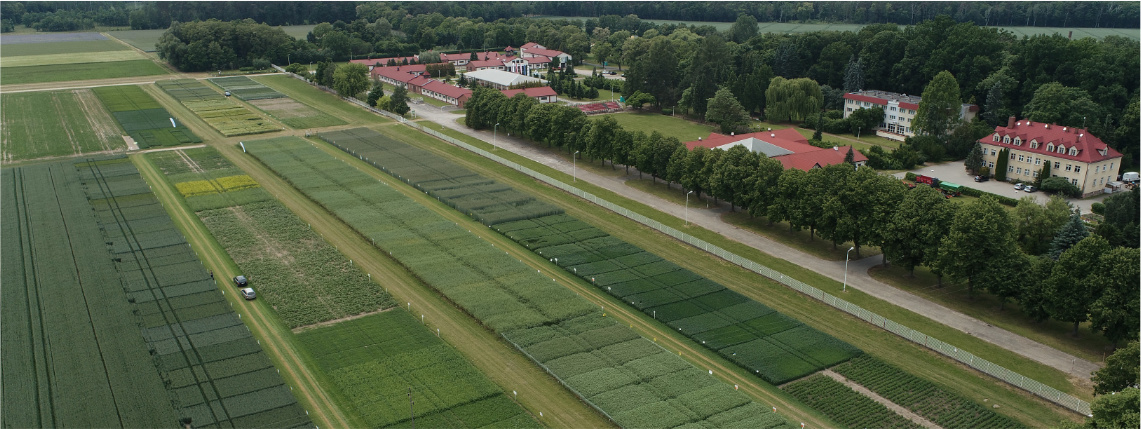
858 276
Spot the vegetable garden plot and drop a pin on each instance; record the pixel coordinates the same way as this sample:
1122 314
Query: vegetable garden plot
226 116
176 340
923 397
143 118
844 405
496 308
374 360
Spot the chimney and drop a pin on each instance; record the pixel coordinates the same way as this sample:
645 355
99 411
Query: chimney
732 133
699 139
1010 122
836 148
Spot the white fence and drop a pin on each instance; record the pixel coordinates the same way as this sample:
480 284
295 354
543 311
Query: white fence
967 358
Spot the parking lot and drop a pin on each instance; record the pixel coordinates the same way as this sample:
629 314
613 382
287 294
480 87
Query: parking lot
955 173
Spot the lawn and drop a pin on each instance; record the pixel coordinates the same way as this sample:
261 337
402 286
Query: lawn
55 123
669 126
84 71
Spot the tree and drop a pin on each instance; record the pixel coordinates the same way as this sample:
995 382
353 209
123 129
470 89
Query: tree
1060 185
1058 104
743 29
398 102
980 239
1121 370
1033 297
1043 174
1036 225
854 74
730 172
725 111
939 107
1116 411
692 178
350 79
1071 289
850 157
993 106
1000 164
1121 213
792 100
1114 312
974 159
865 119
375 94
1069 235
639 99
917 228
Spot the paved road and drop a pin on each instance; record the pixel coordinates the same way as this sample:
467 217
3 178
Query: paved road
858 276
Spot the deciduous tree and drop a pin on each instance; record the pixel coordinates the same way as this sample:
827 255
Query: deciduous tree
1114 312
917 228
1036 225
980 238
1071 288
350 79
939 108
725 111
792 100
1122 369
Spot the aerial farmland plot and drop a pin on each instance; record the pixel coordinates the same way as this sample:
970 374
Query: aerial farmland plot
543 319
55 123
382 361
302 277
32 58
285 109
141 117
226 116
109 320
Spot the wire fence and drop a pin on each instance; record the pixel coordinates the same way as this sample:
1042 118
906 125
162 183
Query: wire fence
1018 380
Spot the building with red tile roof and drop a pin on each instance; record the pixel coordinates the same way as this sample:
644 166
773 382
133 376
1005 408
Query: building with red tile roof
398 75
381 62
544 94
1072 153
444 92
898 111
532 49
787 146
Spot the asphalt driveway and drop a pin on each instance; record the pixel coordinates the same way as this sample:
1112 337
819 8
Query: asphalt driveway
954 172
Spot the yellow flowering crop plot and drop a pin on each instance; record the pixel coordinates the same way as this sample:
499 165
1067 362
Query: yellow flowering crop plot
197 187
234 183
215 186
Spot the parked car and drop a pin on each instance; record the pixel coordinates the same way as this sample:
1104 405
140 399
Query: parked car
1029 188
248 293
227 93
1017 186
241 281
982 178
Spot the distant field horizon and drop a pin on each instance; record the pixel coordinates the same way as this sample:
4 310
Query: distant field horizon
793 27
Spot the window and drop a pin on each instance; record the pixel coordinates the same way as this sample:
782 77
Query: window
1037 161
992 152
849 109
892 108
1069 167
1057 165
1061 148
1034 144
1077 169
1009 169
1074 181
990 165
1074 151
1018 141
1049 147
1035 174
1006 139
1018 170
1021 158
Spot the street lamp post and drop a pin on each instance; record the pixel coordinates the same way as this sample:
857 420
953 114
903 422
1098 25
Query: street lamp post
574 166
858 129
687 207
495 134
846 267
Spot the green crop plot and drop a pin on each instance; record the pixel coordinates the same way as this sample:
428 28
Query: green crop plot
214 370
143 118
83 71
925 398
276 104
55 123
109 319
844 405
382 361
245 88
226 116
12 50
550 323
84 57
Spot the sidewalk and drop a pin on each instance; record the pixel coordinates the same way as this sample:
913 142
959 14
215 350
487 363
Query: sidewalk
858 276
